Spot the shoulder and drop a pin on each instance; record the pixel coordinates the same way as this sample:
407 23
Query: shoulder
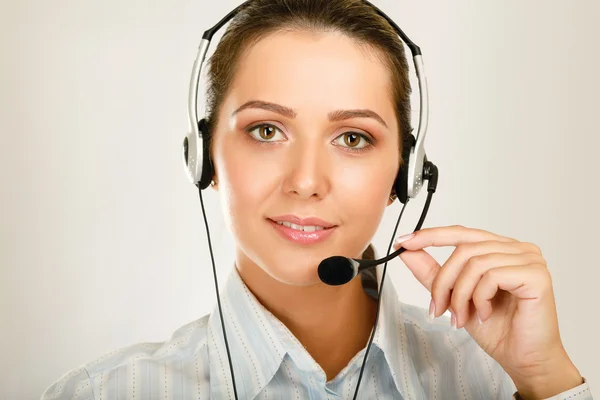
75 384
187 344
444 356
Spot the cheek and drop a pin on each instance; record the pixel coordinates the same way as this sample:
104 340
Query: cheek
245 182
366 197
368 183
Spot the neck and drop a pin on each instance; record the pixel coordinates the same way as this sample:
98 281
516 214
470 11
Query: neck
333 323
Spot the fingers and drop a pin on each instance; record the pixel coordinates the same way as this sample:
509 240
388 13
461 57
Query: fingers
471 278
424 267
450 236
477 253
466 259
524 282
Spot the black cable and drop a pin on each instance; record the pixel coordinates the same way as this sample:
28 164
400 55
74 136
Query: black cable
212 258
362 368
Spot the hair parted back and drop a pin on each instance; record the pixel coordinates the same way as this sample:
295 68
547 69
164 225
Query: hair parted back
353 18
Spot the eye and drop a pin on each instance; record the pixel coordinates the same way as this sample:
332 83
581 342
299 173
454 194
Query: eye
265 133
353 141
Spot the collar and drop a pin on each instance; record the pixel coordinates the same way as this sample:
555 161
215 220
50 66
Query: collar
256 350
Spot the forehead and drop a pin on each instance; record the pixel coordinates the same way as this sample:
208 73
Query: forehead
308 70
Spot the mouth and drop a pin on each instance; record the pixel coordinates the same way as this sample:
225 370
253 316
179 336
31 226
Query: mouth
302 230
293 220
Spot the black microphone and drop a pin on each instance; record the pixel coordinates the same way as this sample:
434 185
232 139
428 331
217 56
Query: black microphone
339 270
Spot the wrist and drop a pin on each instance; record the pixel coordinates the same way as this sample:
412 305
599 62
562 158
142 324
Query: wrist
547 380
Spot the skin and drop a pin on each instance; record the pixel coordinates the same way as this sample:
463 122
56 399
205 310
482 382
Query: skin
499 289
310 166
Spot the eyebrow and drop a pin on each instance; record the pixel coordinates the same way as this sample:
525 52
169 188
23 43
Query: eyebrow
338 115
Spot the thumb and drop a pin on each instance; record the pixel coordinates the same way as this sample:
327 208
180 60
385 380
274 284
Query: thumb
422 265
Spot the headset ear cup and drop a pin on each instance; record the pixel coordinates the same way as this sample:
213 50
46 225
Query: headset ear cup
207 167
401 183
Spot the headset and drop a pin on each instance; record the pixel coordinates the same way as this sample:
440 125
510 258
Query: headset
414 170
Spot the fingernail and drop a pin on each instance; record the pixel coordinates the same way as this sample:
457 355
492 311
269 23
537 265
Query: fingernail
431 310
404 238
453 322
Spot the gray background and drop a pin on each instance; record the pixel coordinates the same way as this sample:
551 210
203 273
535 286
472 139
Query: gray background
101 239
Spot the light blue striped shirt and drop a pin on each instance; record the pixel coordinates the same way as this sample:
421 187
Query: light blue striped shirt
411 358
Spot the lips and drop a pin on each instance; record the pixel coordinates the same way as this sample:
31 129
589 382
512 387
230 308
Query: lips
302 230
310 221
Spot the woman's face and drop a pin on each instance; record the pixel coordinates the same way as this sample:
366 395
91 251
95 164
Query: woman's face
306 135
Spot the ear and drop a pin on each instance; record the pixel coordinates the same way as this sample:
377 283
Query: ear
392 198
214 184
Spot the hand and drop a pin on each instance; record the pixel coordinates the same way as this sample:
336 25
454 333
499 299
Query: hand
500 291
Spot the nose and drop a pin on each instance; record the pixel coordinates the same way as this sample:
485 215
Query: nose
307 171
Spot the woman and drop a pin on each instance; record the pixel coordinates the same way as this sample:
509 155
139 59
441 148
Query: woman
287 160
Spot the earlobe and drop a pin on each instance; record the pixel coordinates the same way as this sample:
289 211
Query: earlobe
392 198
214 184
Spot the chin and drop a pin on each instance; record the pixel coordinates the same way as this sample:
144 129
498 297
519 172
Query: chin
299 273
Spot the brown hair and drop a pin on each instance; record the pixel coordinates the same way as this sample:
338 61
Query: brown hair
353 18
